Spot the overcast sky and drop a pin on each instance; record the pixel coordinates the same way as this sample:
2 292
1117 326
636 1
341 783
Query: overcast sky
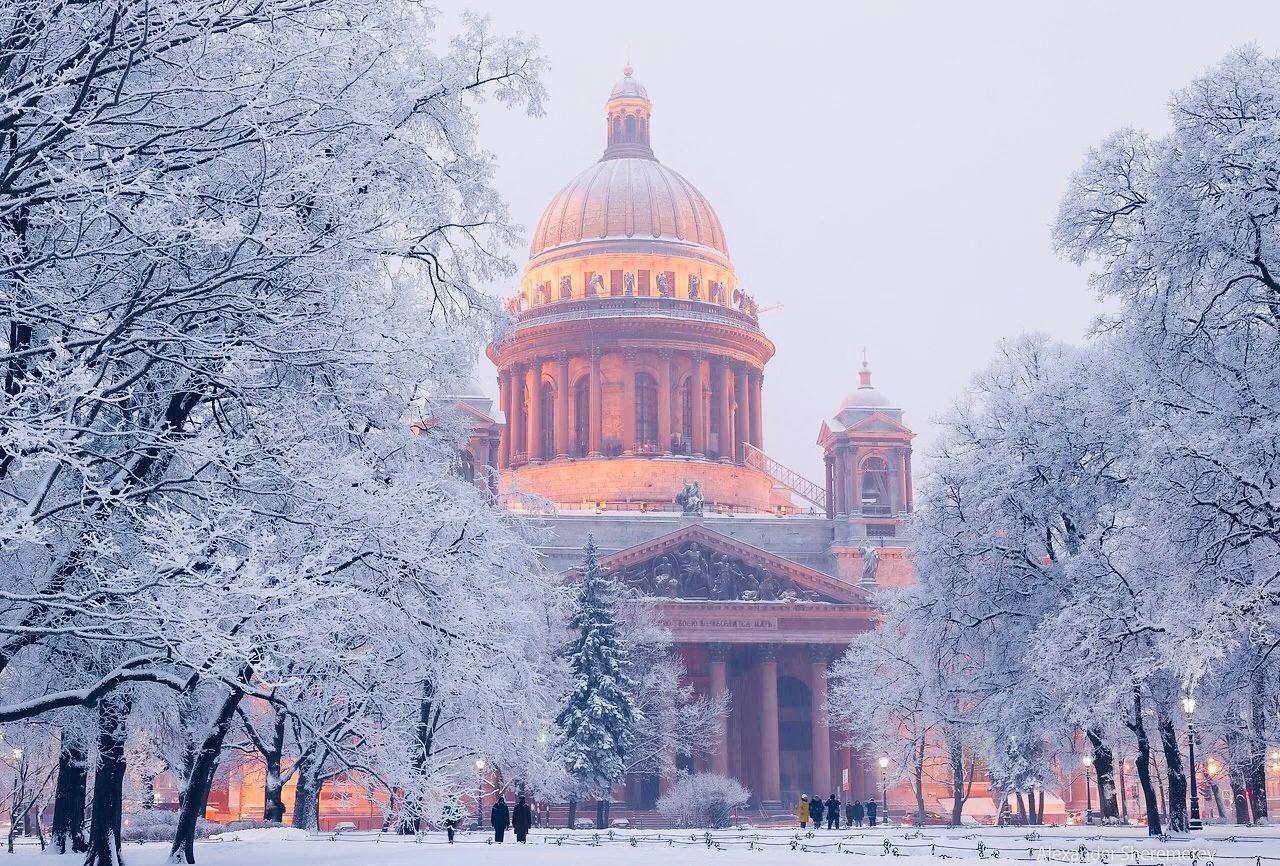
886 173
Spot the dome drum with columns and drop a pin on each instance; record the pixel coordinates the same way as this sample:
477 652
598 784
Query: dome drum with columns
633 341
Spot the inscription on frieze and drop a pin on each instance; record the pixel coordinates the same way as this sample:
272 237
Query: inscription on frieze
716 623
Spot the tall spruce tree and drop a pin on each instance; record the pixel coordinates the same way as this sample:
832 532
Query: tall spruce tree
597 723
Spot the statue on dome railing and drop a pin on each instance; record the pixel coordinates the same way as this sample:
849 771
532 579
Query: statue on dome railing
596 286
566 288
628 283
695 283
690 499
664 285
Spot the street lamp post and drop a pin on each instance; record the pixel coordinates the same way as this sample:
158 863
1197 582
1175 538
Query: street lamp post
1087 760
884 786
1189 707
480 792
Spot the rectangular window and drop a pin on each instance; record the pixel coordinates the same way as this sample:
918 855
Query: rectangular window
615 283
642 283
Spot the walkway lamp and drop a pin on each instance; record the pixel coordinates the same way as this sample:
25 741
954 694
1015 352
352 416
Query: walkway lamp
884 785
1087 760
480 792
1189 707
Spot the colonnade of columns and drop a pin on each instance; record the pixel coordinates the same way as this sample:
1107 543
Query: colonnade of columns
844 480
528 390
764 712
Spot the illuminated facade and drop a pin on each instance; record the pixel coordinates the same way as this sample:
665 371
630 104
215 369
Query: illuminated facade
636 367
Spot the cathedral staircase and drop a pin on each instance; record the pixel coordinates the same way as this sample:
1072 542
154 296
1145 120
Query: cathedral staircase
788 478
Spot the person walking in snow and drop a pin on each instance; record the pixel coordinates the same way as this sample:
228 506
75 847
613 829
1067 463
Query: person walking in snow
500 818
521 819
802 811
833 813
451 815
855 812
815 811
871 813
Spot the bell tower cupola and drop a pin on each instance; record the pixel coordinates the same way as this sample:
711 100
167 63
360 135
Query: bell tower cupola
627 115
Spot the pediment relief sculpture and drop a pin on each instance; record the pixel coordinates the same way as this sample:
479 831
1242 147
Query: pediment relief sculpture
696 571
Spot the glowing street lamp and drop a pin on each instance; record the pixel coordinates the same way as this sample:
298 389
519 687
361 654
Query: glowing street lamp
1087 760
1189 707
480 792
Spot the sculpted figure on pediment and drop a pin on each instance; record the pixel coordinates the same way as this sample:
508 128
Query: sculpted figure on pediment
693 573
724 578
664 578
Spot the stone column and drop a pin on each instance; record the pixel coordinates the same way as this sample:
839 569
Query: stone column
720 689
855 481
533 430
771 775
596 388
563 399
699 406
755 383
821 748
517 419
664 401
508 427
629 401
831 493
741 413
911 498
722 396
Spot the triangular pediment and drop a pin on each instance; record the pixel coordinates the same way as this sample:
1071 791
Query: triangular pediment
697 562
878 422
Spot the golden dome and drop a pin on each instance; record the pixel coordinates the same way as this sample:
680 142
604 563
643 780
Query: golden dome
629 199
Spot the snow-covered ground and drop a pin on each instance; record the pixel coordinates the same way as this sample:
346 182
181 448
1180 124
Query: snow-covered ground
1224 846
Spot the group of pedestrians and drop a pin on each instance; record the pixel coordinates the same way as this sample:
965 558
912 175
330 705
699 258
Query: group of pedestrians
501 816
812 810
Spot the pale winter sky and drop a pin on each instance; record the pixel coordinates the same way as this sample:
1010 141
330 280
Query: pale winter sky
887 172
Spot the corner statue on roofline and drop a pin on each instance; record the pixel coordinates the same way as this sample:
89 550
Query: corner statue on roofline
690 499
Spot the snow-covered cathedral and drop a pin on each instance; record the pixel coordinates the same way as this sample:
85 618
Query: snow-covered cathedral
635 371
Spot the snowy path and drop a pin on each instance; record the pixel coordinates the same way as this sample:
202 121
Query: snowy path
1117 847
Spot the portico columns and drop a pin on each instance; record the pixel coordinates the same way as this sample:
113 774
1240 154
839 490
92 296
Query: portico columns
742 412
517 420
533 430
719 689
699 406
664 401
629 401
771 780
593 426
821 740
562 407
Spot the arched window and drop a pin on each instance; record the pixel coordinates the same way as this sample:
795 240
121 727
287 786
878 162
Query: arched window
875 487
685 445
631 127
582 417
646 413
547 435
617 129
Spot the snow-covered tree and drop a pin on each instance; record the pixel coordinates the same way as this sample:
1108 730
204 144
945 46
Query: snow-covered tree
703 800
596 726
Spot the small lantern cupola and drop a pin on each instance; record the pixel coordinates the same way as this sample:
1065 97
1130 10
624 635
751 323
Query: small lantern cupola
627 116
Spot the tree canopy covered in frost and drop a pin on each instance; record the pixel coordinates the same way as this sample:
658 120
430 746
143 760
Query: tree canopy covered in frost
237 243
1097 536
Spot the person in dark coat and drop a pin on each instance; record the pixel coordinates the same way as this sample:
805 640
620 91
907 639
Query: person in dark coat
871 813
521 819
857 812
500 818
833 813
848 814
815 811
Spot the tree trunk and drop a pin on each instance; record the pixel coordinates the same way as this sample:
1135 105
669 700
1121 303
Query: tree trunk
573 812
1217 801
917 785
195 798
1144 767
273 786
1257 778
958 793
1022 808
108 781
306 797
68 796
600 814
1104 769
1040 808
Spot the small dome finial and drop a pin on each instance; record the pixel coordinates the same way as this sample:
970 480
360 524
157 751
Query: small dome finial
627 70
864 375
